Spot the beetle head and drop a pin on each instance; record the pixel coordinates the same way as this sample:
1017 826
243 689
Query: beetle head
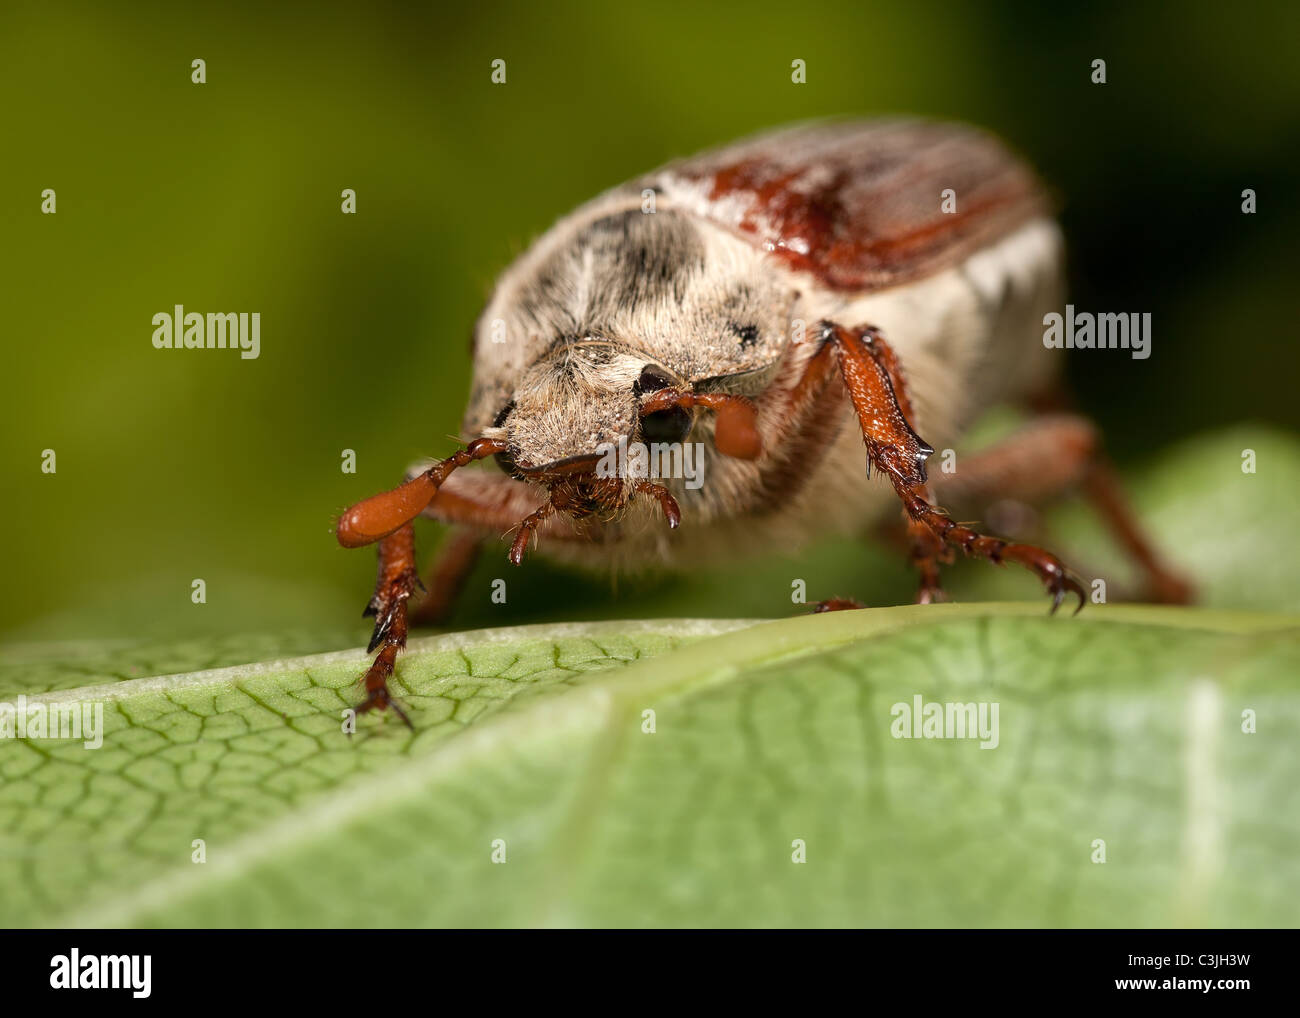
569 412
567 407
594 339
574 408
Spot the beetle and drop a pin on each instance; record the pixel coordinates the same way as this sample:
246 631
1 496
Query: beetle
782 300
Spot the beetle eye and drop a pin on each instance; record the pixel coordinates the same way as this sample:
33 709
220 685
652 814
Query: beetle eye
502 414
670 426
651 380
503 459
507 464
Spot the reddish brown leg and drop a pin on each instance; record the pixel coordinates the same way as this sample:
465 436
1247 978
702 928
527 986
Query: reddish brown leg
927 550
386 518
894 448
672 512
455 561
527 528
836 604
380 515
1039 461
1106 494
396 581
1050 455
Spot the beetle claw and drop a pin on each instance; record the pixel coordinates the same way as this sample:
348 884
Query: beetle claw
1066 584
836 604
381 699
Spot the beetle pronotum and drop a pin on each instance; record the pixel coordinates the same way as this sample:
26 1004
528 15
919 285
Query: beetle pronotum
781 300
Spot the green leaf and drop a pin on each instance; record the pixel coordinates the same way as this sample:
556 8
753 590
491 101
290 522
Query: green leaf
1122 725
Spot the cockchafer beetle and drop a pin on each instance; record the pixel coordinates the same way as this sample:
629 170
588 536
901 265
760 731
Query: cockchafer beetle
781 300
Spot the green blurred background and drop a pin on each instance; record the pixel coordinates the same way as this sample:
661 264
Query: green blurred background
225 197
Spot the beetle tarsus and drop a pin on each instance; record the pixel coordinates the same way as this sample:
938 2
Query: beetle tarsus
931 594
381 699
394 585
1057 579
836 604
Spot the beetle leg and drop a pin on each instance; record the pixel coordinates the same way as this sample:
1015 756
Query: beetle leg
1051 454
380 515
896 450
527 527
927 550
393 587
386 518
1044 458
1104 491
672 513
836 604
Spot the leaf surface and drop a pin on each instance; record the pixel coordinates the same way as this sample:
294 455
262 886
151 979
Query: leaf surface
770 742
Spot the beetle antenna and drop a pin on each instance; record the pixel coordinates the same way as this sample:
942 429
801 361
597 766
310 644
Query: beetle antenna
737 428
380 515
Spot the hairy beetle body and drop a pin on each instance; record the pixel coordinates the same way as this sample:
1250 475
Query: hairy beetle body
725 298
782 303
